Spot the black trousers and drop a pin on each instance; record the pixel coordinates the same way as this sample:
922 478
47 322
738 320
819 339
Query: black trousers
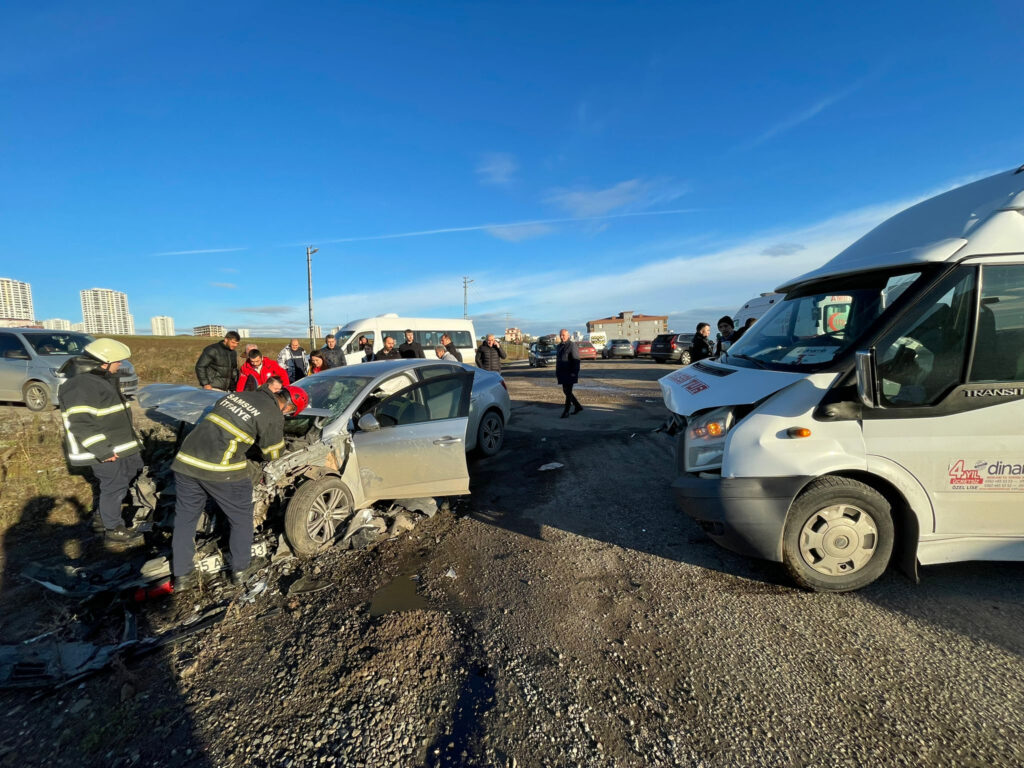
115 477
570 398
234 499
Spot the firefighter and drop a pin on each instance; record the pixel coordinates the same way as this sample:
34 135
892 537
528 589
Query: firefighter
99 434
212 462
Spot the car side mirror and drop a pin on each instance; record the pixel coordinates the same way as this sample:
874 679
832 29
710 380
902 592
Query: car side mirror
368 423
867 377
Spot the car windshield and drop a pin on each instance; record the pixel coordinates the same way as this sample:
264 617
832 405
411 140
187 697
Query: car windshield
811 330
333 393
58 343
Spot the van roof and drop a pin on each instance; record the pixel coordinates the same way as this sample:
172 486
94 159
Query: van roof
981 218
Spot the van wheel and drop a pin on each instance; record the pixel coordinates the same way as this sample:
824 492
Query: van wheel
838 536
490 436
315 514
36 396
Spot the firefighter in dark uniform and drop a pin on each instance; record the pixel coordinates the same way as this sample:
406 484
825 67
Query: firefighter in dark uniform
212 462
99 433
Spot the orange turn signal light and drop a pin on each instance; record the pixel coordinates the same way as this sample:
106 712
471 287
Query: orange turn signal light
798 432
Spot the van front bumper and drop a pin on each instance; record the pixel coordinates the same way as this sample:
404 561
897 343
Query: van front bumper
743 514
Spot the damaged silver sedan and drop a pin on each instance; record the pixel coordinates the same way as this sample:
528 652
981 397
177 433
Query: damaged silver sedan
375 431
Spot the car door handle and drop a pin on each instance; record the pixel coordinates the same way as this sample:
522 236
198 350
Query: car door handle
448 441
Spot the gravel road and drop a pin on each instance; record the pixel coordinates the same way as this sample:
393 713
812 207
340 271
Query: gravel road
568 617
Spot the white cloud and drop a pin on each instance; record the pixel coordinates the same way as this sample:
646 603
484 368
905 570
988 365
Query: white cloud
224 285
200 251
633 194
515 233
497 169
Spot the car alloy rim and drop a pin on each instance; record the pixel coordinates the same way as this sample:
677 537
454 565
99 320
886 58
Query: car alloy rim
327 511
838 540
35 397
492 432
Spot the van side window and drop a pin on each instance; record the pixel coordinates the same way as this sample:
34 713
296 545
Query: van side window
11 348
923 356
353 345
462 339
999 341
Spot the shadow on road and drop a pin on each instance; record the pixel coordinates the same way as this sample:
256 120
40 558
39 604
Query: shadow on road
614 487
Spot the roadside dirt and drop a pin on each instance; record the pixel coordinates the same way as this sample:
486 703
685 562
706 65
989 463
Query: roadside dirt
564 617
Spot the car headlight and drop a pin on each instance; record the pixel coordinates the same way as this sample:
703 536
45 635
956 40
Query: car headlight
705 439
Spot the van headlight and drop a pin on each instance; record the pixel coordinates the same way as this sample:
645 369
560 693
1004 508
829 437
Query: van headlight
705 439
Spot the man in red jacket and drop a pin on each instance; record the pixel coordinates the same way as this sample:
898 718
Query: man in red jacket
257 369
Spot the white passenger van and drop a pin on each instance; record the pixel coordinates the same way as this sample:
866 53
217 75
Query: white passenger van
898 435
427 332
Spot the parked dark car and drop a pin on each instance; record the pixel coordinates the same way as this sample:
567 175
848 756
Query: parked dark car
618 348
587 350
542 354
642 348
672 348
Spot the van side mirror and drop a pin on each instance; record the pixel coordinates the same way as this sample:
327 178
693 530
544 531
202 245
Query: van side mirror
867 377
368 423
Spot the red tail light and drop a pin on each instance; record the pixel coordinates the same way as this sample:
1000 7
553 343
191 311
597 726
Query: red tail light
673 344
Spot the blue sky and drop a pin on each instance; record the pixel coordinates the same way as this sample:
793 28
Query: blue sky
574 159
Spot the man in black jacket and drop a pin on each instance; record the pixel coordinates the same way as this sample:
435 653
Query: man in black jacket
212 462
388 352
567 371
700 347
217 366
446 339
99 433
333 355
490 354
411 348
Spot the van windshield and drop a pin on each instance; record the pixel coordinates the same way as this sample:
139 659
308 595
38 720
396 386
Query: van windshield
57 343
810 330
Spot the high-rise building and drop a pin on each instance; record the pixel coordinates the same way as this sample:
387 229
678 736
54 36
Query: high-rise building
16 300
244 333
161 325
57 324
216 331
106 312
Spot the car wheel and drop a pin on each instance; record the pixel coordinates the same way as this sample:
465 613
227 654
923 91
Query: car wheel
490 435
316 513
684 359
838 536
36 396
531 363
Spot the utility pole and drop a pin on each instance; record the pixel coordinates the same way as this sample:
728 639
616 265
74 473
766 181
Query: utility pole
465 297
310 250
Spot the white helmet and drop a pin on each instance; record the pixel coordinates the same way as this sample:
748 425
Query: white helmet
108 350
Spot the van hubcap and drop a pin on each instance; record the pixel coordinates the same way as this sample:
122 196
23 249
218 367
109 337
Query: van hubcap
838 540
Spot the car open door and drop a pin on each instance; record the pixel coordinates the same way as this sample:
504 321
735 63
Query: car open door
413 442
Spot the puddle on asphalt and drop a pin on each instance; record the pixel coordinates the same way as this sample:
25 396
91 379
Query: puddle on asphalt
398 595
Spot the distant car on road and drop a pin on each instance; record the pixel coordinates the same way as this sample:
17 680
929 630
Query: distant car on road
34 363
642 348
587 350
542 354
672 348
618 348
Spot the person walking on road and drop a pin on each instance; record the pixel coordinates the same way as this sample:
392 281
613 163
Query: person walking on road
700 347
567 371
294 359
99 434
333 355
490 354
217 366
210 464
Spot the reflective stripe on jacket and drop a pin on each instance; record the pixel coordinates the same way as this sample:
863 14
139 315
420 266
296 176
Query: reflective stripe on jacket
215 450
97 419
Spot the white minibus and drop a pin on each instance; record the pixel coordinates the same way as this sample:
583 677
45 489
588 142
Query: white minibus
426 330
893 432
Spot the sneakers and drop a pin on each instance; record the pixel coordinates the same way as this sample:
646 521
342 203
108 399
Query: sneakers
122 535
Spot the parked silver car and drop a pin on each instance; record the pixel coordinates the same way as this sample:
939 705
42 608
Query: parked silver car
392 429
31 363
618 348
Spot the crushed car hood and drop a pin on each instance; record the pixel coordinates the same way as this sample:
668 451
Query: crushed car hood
189 404
705 385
